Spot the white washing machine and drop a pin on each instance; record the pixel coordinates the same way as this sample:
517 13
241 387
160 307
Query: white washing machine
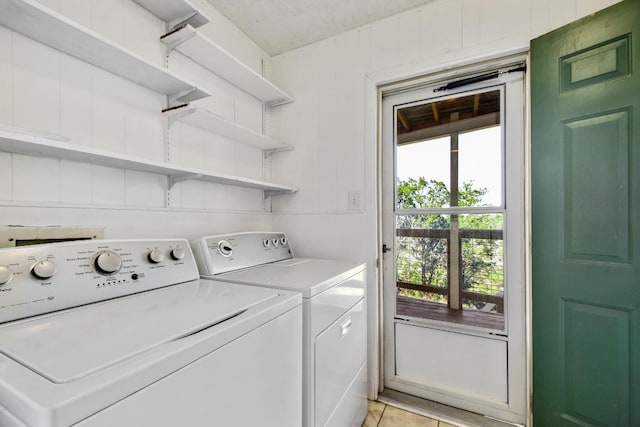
124 333
334 324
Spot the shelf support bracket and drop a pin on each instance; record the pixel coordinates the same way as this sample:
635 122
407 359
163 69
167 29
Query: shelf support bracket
269 193
173 180
180 114
271 151
175 43
279 102
176 96
179 22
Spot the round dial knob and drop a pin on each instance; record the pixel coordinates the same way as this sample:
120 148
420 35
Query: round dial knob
44 269
266 243
108 262
275 242
178 253
156 256
225 248
5 275
283 241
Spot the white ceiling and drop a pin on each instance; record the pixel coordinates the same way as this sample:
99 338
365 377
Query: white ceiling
282 25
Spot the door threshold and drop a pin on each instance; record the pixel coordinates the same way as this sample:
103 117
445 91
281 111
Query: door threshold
448 414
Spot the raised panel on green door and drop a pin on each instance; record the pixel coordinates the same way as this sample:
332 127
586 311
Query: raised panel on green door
591 394
585 97
596 198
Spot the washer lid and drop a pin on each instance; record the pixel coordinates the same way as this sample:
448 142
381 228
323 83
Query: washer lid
69 345
305 275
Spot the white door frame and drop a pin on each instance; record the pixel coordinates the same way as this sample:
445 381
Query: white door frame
375 85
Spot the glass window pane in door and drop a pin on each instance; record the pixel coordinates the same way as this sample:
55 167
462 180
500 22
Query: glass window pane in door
480 167
422 173
482 262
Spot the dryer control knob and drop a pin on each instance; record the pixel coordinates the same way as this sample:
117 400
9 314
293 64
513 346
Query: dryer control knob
266 243
178 254
108 262
44 269
283 241
275 242
155 256
5 275
225 248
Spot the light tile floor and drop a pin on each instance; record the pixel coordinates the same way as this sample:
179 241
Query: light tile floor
381 415
454 416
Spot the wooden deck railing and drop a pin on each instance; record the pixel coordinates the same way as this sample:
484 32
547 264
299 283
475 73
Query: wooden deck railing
463 233
437 233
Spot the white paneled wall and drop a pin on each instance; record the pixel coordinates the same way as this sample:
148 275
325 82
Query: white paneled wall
46 90
327 79
333 120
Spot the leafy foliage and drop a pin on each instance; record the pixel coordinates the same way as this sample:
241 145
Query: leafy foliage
422 258
422 194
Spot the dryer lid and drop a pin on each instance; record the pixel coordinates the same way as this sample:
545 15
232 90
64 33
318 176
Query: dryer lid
69 345
308 276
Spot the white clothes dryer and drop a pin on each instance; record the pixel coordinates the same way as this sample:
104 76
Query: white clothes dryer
124 333
334 324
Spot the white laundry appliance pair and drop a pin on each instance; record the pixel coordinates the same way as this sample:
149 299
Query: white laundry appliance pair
334 324
124 333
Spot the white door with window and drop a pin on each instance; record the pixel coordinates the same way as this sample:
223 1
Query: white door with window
453 232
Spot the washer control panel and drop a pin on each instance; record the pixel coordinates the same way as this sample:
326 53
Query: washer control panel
229 252
43 278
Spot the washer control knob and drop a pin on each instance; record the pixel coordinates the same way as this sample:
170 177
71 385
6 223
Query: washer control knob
275 242
44 269
155 256
283 241
225 248
266 243
5 275
178 254
108 262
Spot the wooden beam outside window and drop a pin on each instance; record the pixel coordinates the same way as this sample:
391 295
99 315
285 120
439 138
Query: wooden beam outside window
476 104
403 120
434 110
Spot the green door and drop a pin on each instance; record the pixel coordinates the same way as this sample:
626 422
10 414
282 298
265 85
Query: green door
585 94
